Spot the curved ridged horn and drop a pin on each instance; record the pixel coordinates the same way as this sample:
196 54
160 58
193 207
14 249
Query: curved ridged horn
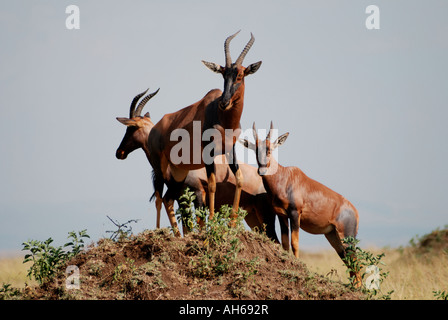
142 103
134 102
240 59
226 49
255 132
270 130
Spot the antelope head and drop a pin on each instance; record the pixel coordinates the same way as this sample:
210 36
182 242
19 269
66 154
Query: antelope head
263 149
138 127
233 73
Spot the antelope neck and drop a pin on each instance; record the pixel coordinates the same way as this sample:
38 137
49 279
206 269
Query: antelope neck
273 179
231 117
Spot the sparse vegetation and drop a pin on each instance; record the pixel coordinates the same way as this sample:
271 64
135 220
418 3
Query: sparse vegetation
8 292
441 295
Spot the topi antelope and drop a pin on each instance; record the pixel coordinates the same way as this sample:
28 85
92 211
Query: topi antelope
253 197
307 203
217 110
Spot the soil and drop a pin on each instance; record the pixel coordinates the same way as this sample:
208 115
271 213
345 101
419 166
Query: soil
156 265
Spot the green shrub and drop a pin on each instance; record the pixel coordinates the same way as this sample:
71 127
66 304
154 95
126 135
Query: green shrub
365 263
441 295
217 252
47 259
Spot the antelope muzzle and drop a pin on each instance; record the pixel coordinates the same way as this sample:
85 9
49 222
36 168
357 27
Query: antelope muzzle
262 171
121 154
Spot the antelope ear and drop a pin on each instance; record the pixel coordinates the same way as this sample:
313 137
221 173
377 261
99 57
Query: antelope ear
147 115
280 140
252 68
127 122
247 144
213 66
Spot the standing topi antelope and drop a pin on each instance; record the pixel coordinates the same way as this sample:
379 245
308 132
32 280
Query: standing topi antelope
307 203
217 110
253 197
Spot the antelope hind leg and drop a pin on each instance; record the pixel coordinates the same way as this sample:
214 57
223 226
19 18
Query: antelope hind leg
159 202
335 240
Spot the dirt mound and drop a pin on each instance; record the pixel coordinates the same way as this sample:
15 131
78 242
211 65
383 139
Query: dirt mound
157 265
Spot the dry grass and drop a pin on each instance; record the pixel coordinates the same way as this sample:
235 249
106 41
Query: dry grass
415 276
326 263
13 271
412 276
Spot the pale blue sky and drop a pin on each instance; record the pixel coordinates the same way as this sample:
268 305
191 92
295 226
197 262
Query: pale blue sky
366 109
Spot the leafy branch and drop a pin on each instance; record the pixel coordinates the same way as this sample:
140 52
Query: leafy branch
358 260
47 259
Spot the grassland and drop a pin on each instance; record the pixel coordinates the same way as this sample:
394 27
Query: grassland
14 271
415 271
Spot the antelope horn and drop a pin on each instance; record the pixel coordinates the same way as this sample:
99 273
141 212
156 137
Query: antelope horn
255 133
134 102
270 130
245 50
142 103
226 49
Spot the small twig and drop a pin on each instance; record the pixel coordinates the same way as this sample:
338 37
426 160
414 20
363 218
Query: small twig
123 228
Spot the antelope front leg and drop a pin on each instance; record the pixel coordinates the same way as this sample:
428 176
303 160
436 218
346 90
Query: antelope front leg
211 177
169 207
233 164
236 199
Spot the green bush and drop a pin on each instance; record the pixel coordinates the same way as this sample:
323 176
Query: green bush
441 295
217 252
364 262
47 259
